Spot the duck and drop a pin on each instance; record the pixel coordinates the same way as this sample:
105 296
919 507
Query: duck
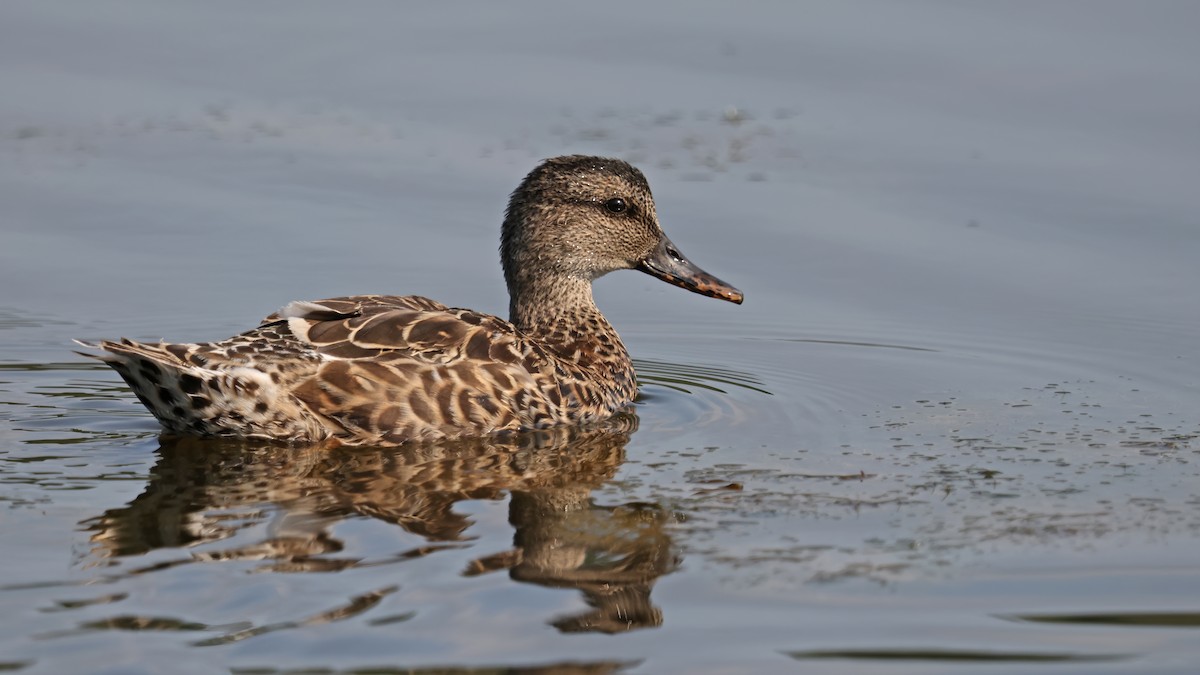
389 369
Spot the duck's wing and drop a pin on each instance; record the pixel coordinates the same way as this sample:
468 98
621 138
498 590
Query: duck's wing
352 305
398 368
386 328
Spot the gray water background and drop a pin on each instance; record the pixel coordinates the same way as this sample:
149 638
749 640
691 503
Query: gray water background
953 426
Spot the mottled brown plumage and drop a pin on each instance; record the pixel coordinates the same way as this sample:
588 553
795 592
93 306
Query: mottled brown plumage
384 369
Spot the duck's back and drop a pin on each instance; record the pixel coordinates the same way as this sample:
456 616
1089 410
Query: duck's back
367 369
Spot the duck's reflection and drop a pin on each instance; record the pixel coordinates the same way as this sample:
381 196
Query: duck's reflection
205 491
613 554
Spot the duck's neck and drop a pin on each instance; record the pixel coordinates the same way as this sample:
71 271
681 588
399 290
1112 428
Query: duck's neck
561 314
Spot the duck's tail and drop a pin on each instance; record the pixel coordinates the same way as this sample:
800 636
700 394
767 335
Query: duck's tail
192 394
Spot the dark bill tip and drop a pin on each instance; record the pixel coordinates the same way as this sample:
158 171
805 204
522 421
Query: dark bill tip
668 264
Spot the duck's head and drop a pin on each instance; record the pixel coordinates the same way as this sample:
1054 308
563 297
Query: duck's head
582 217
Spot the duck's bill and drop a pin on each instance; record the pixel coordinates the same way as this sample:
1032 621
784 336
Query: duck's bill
668 264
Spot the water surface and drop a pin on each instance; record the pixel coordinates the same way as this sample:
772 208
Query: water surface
954 426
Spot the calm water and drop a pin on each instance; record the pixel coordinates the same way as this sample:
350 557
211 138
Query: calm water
955 427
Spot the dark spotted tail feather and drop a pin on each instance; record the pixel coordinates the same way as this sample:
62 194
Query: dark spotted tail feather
194 390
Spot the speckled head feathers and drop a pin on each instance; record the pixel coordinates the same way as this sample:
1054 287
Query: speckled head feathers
577 216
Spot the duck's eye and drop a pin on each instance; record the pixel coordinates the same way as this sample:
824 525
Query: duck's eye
616 205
